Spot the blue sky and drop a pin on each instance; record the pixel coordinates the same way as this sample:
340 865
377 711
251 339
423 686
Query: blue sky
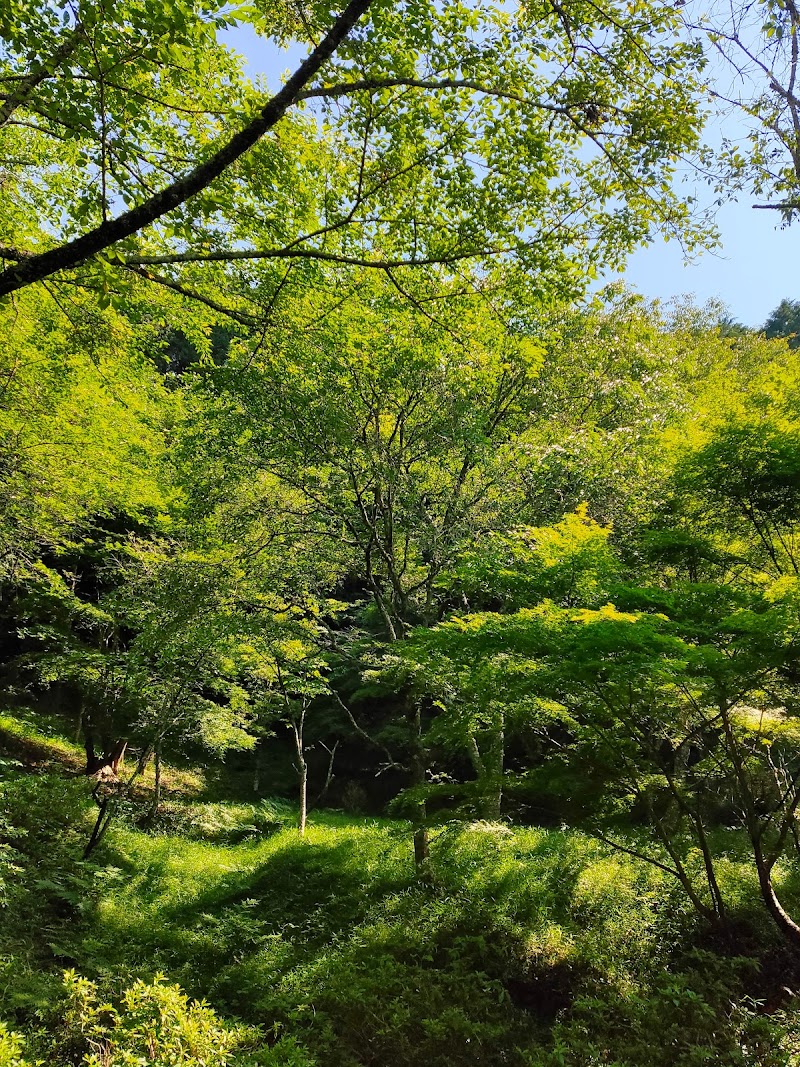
756 266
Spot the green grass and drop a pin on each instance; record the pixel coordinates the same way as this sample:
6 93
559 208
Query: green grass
334 941
38 740
525 947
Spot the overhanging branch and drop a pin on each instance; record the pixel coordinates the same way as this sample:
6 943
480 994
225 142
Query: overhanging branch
298 252
37 267
46 69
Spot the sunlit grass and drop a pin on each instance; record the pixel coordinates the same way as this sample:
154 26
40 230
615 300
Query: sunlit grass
509 940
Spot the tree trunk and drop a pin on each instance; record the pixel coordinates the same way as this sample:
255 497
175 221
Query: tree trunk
789 929
493 800
104 816
257 770
489 772
329 775
302 767
421 846
303 794
156 804
418 768
112 756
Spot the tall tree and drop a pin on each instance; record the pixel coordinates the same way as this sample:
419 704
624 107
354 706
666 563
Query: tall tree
756 63
784 321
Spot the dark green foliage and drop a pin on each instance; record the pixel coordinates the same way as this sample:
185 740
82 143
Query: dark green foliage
784 321
44 820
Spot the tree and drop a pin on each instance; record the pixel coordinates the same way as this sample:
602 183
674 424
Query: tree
784 321
415 458
694 716
674 720
758 46
81 413
480 689
439 135
291 673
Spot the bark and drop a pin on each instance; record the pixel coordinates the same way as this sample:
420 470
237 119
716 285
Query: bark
421 846
116 755
302 767
156 804
257 771
494 798
475 757
37 267
329 774
104 817
93 762
303 795
112 756
418 769
694 816
788 928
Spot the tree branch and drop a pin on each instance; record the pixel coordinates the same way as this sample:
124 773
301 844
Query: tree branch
375 84
192 294
46 69
43 265
297 252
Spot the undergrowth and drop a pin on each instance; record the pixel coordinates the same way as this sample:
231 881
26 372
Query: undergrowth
215 935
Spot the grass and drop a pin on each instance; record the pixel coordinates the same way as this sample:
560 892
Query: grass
524 947
334 941
37 740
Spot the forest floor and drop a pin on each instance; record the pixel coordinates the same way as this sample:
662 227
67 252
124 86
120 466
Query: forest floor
527 946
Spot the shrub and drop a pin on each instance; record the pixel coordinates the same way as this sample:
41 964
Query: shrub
155 1023
10 1048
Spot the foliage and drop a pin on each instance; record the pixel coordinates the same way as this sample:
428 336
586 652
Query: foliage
11 1048
311 464
784 321
155 1022
553 111
760 43
79 424
529 943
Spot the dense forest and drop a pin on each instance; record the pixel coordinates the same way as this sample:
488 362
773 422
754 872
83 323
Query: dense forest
399 617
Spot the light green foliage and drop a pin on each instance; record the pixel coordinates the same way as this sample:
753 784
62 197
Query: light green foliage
569 563
555 544
213 648
79 422
749 471
415 457
222 823
110 107
468 132
11 1048
155 1022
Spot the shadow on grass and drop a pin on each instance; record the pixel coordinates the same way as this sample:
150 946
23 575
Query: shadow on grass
334 941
